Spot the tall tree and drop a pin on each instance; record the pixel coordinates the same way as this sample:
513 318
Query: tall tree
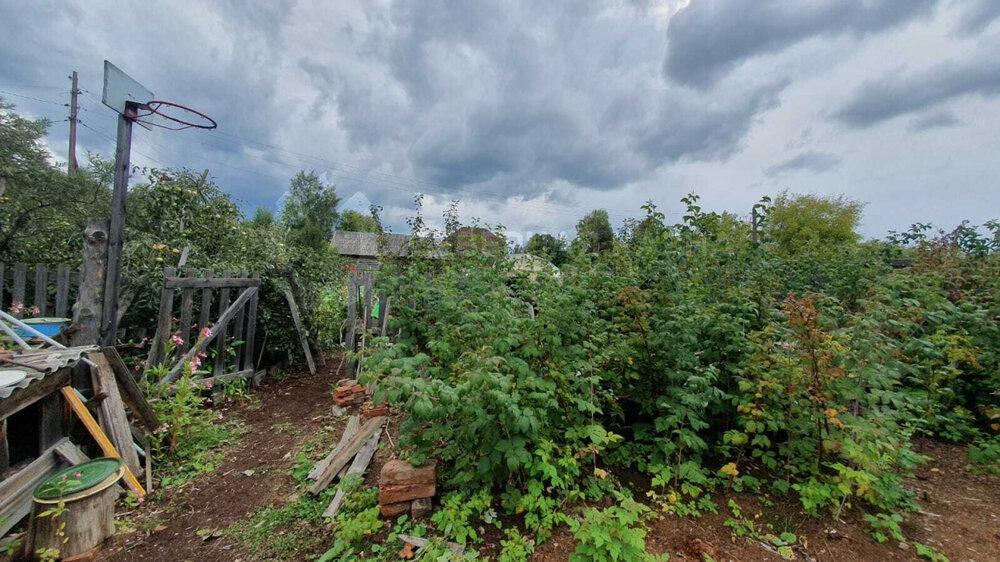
353 221
310 211
799 222
594 233
549 247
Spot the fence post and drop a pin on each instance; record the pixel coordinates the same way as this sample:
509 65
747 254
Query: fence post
158 351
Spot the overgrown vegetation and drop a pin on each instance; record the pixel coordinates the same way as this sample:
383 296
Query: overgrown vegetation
790 359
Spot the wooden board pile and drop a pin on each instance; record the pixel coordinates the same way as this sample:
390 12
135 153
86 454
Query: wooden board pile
403 487
359 442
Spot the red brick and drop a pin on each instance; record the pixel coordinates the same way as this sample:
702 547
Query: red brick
394 509
375 412
404 492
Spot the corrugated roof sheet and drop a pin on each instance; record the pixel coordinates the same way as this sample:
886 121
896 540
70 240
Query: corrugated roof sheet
41 362
366 244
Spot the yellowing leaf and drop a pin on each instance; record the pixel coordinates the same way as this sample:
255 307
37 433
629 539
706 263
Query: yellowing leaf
729 470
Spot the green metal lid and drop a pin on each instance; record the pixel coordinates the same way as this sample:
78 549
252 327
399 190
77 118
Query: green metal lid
77 478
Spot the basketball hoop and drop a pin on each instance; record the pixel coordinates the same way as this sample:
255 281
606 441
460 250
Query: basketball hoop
180 116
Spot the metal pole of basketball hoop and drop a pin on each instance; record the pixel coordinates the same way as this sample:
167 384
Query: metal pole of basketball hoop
116 232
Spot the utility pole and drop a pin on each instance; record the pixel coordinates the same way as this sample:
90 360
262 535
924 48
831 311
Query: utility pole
72 123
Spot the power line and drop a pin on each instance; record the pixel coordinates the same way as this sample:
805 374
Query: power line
34 98
28 86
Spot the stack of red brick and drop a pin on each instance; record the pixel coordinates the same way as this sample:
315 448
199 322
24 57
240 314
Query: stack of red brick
349 395
402 488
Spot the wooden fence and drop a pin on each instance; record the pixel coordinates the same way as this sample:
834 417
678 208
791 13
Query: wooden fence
52 288
361 291
234 352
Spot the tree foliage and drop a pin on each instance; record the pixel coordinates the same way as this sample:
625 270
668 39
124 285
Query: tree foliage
310 211
800 222
43 210
547 246
353 221
594 233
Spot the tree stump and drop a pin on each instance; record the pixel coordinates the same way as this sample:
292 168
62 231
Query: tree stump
89 520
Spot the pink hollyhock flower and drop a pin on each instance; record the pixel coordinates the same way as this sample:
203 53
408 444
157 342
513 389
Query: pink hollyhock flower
177 340
205 332
208 384
219 416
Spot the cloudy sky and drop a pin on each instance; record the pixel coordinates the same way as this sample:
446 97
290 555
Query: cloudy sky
534 113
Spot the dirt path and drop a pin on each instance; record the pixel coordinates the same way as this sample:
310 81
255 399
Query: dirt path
286 415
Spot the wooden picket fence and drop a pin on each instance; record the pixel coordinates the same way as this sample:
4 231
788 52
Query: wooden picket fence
52 288
234 351
361 299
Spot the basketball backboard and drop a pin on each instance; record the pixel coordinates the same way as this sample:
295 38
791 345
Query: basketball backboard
120 88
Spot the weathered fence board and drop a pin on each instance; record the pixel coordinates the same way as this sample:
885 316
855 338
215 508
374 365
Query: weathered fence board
220 345
34 285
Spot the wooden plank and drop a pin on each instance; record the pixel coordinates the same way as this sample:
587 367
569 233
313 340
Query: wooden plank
238 330
350 449
3 284
306 314
353 423
383 313
298 328
352 310
102 440
214 283
4 449
69 452
296 320
158 350
20 280
184 325
23 397
41 289
205 310
50 421
15 491
112 411
131 393
219 327
358 466
249 346
62 290
90 297
369 289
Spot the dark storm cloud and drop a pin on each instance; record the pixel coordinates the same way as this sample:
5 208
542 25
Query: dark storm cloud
710 37
521 96
977 15
810 161
933 120
893 95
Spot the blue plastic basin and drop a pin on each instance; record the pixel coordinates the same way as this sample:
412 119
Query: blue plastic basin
48 326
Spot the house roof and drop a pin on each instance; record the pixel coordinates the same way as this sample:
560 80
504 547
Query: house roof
366 244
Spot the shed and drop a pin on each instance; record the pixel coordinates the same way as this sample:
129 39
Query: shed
364 247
